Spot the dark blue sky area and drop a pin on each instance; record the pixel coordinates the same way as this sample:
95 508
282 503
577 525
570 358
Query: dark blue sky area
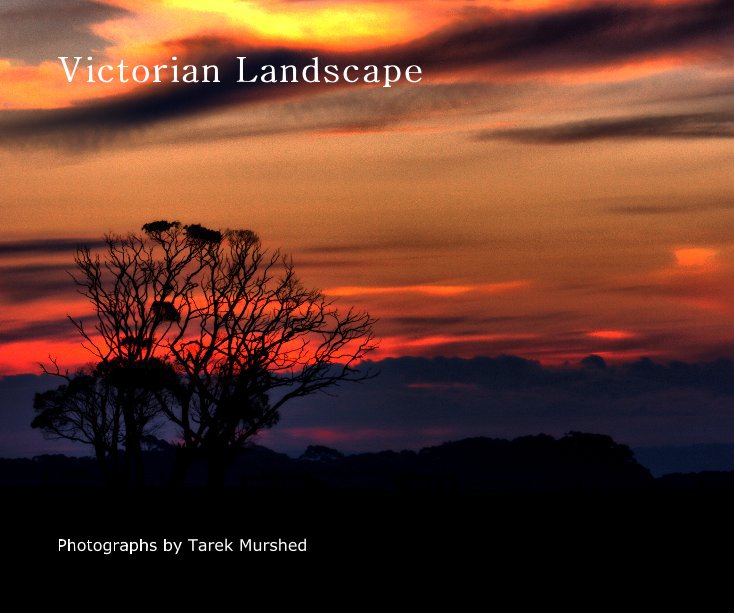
416 402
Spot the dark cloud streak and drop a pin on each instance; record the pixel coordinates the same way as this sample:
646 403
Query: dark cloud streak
640 402
668 209
687 126
50 246
584 37
45 330
28 282
522 43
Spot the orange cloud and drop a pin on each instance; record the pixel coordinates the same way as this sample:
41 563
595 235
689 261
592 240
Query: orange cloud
695 257
429 290
611 335
396 346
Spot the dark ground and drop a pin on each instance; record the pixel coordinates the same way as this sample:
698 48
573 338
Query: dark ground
571 511
567 540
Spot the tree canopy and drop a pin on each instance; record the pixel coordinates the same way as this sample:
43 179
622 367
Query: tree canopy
205 329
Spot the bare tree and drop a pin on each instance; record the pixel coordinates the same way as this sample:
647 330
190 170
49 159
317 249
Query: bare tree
131 286
82 409
259 339
213 331
88 408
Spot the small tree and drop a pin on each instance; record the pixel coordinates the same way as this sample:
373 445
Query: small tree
83 409
212 331
88 408
130 286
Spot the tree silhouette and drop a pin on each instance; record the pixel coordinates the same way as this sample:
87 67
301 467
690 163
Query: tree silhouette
212 331
88 408
260 339
83 409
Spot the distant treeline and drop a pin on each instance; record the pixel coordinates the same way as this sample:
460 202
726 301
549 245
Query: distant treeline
575 462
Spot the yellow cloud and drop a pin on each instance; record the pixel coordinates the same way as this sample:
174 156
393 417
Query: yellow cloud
345 25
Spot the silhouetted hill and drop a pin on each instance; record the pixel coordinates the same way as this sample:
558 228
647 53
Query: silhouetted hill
539 463
518 502
576 462
532 463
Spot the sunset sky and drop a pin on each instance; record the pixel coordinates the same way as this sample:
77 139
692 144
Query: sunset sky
559 183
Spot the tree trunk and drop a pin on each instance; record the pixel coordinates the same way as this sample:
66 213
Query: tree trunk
133 450
108 473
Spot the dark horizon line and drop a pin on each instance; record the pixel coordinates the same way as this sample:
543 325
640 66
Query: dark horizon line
691 460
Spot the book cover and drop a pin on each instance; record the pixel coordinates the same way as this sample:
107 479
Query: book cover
362 255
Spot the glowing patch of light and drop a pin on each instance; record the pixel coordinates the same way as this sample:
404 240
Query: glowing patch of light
611 335
694 257
427 290
348 25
